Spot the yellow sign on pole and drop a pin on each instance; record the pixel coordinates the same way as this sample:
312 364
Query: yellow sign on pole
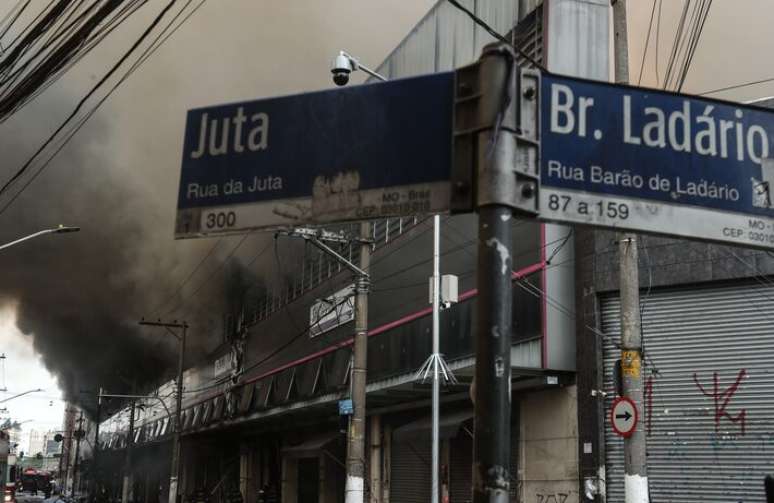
631 363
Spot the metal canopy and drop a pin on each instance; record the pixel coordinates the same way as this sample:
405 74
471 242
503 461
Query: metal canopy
449 425
311 447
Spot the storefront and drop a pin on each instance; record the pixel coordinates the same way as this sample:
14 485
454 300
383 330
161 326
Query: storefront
709 391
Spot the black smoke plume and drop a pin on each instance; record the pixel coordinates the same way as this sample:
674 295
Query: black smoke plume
80 296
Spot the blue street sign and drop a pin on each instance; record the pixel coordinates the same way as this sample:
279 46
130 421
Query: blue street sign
654 161
367 151
345 407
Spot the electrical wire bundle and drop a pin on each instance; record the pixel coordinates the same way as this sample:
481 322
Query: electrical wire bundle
56 39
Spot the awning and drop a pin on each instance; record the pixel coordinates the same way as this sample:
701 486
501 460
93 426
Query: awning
448 426
310 448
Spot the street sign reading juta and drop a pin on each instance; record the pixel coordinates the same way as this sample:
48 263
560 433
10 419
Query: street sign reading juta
652 161
369 151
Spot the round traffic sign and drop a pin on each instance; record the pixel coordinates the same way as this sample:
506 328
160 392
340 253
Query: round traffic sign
623 416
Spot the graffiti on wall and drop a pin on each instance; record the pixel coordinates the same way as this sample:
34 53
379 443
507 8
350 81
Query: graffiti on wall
551 497
722 399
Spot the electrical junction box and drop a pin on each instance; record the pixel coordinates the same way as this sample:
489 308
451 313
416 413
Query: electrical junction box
449 289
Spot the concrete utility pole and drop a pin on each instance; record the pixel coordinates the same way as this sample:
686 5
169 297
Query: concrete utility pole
354 489
78 435
96 442
126 493
355 485
175 467
635 461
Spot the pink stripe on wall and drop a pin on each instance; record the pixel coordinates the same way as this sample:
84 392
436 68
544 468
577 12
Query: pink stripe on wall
516 275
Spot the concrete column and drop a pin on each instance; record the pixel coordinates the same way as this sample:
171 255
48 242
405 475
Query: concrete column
244 472
376 459
322 487
289 480
386 462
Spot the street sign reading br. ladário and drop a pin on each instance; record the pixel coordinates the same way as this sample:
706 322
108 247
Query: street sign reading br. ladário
376 150
652 161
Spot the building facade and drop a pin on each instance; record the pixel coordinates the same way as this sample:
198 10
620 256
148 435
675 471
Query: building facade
261 418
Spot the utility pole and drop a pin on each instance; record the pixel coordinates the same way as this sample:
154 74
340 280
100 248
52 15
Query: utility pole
126 495
175 467
78 435
355 485
354 489
96 443
635 461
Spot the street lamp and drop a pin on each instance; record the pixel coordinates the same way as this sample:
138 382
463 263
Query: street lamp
36 390
56 230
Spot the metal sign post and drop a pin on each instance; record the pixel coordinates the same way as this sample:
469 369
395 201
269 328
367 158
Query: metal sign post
500 140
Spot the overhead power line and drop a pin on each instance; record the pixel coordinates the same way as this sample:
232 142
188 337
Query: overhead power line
736 86
647 42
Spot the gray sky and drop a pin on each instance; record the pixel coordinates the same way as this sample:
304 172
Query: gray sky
734 48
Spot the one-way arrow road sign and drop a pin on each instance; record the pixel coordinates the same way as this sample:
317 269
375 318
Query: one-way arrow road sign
623 416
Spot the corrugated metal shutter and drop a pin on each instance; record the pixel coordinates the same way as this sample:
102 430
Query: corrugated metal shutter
461 465
711 422
410 471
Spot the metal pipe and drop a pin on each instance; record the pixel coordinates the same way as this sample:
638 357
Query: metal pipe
492 441
436 353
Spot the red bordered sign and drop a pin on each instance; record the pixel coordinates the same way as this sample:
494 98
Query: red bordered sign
623 416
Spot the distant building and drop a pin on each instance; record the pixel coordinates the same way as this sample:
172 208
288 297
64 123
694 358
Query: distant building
14 437
52 447
36 444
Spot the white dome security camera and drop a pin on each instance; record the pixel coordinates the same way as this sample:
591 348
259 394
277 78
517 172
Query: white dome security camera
344 64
